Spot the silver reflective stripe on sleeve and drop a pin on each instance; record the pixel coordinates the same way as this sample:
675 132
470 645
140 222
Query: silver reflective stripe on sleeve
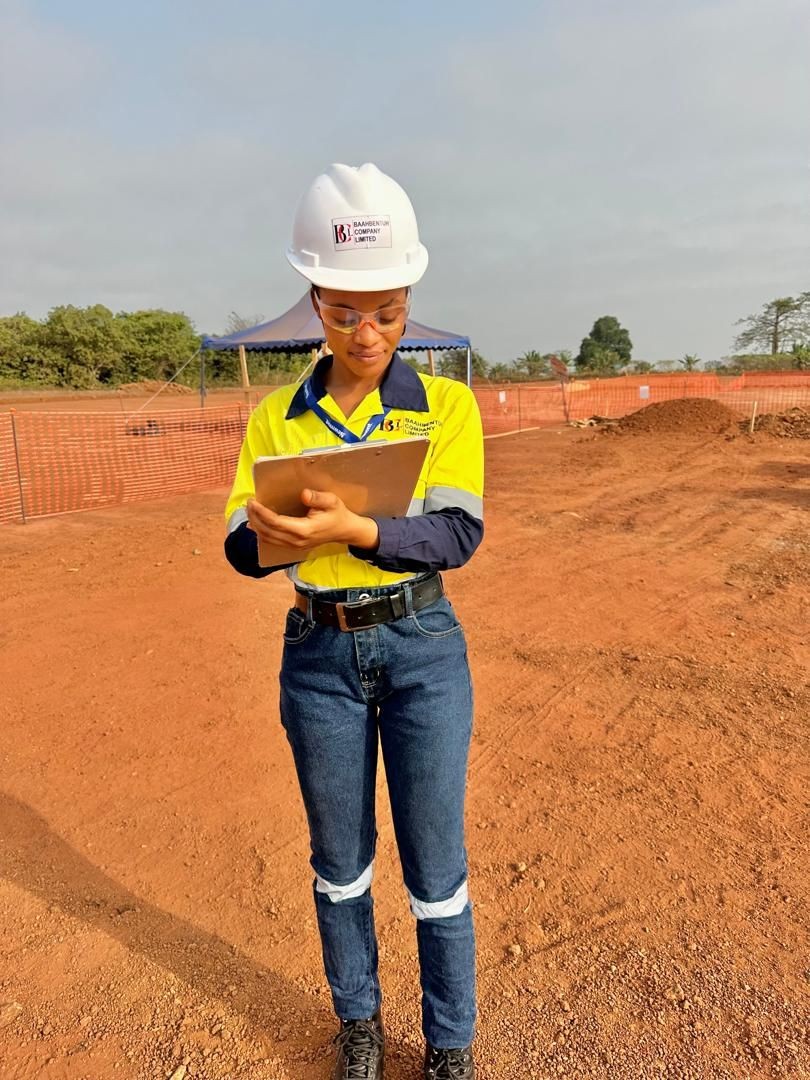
417 507
236 519
336 893
438 498
440 909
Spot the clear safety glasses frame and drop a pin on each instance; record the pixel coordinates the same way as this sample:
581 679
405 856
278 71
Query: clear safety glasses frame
348 320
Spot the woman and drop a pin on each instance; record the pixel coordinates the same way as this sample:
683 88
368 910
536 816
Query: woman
373 651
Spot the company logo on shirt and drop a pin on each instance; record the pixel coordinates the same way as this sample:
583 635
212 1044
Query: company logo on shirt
419 427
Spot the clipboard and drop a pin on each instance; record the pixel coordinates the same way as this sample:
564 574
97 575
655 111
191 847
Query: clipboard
372 479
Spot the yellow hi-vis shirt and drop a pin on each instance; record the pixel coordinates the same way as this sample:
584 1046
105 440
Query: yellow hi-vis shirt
441 409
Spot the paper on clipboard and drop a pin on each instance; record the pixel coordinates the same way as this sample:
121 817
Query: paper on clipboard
372 478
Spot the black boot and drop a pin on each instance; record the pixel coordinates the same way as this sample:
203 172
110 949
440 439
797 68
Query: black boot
449 1064
360 1049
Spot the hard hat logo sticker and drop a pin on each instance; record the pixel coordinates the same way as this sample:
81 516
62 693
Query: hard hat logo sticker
361 232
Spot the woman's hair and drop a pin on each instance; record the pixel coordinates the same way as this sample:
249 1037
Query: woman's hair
315 290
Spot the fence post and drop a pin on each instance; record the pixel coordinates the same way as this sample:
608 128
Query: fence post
563 382
520 410
17 460
202 380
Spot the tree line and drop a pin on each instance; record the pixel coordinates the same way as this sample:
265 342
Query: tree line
775 338
85 348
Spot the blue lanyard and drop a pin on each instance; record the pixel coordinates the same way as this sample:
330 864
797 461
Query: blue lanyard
335 426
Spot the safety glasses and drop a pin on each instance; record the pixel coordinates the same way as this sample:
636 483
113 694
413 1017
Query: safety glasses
347 320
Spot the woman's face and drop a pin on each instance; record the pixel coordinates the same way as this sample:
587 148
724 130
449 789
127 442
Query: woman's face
366 351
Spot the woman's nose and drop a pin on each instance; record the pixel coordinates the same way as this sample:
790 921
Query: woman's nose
366 334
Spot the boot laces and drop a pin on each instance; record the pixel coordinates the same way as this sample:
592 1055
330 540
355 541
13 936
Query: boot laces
451 1065
360 1043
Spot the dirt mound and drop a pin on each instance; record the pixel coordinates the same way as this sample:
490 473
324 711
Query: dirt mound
793 424
151 386
688 416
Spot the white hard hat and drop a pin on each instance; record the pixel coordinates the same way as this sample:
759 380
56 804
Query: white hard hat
355 229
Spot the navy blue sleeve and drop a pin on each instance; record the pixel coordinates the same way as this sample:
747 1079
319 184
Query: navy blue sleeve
242 552
439 540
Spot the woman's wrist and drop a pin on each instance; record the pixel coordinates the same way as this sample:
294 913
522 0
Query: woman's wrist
365 534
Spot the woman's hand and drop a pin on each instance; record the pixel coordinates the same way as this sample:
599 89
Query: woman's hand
328 521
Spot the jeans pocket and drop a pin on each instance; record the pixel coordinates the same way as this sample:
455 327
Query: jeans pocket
297 627
437 620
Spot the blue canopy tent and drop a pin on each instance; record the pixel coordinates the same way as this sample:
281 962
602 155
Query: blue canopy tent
300 328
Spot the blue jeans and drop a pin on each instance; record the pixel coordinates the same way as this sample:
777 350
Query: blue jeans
407 683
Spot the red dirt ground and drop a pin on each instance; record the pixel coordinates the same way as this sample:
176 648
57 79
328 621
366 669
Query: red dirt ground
639 634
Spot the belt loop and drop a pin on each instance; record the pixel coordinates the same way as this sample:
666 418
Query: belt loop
408 597
309 608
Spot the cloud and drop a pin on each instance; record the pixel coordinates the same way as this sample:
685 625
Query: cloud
46 70
572 160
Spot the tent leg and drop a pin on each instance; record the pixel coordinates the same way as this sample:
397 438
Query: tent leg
202 379
244 369
469 365
431 362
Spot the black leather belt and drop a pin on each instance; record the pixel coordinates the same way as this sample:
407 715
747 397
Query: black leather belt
363 614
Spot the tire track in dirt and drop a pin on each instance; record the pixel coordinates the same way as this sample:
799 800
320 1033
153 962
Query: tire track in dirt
694 526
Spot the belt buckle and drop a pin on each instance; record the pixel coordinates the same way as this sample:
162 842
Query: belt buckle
340 611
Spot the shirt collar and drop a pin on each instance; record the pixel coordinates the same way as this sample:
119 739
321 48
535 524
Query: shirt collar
401 388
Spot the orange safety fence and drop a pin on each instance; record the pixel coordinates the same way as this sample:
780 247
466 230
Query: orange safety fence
59 462
85 461
10 508
516 407
773 378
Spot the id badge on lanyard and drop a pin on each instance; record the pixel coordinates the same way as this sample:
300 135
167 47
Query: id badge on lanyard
335 426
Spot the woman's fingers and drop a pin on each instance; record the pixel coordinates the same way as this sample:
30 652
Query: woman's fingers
274 535
261 519
301 532
294 528
283 539
261 515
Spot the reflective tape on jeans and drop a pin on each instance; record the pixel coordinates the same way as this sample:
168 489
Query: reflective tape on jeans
355 888
440 909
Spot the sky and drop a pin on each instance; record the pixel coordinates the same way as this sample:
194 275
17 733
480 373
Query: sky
567 159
